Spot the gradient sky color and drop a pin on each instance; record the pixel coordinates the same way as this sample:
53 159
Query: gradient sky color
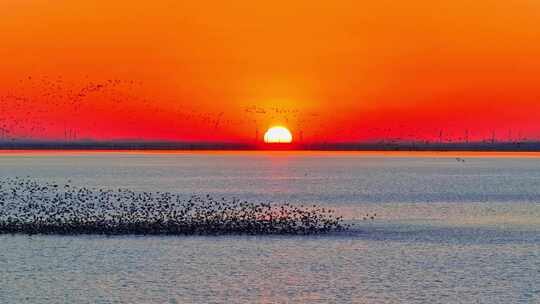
227 70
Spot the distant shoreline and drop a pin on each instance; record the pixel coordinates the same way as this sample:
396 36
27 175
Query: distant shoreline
188 146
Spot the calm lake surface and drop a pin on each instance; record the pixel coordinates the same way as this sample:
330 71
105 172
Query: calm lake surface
446 231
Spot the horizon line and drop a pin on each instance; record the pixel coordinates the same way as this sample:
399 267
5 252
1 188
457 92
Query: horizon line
481 146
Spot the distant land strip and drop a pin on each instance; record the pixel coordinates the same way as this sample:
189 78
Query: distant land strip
167 145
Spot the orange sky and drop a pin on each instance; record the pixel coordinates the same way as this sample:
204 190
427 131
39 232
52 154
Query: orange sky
227 70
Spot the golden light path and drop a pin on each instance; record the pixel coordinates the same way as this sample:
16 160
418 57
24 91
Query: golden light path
277 135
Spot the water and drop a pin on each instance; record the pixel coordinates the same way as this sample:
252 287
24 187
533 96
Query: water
445 231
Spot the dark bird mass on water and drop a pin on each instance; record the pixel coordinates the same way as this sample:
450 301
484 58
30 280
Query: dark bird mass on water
34 207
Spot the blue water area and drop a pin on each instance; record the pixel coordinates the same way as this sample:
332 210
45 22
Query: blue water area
445 231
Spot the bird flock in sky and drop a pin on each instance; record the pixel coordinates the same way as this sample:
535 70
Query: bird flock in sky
53 108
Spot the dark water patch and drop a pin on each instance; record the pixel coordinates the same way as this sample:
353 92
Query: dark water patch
444 234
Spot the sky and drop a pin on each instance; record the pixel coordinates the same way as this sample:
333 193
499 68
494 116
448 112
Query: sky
330 71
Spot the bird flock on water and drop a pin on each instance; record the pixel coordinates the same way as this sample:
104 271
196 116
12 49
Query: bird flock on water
31 206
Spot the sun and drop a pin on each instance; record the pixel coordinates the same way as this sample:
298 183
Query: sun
278 135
